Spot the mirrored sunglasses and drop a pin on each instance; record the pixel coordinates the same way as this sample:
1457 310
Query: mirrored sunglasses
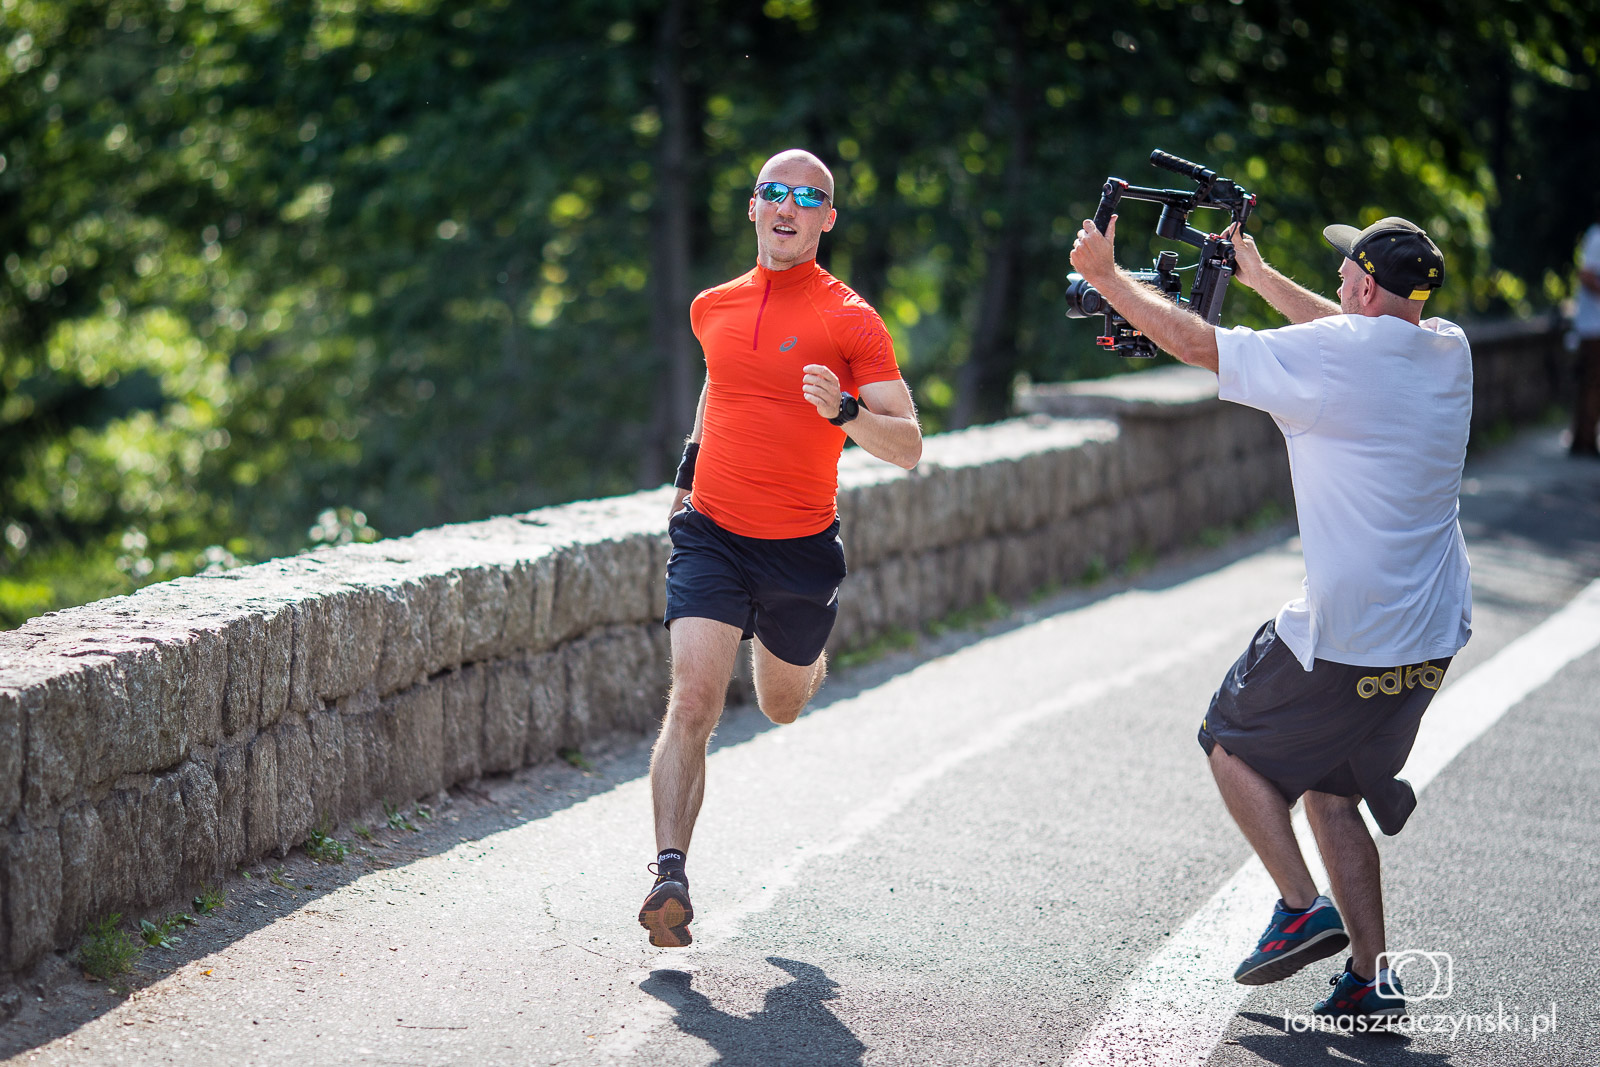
804 195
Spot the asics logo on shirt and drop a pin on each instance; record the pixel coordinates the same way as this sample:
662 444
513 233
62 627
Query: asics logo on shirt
788 344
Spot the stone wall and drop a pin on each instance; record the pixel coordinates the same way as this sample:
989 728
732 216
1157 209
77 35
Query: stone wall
152 742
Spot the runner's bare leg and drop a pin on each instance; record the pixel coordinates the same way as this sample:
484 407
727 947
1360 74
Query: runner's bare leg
703 656
782 688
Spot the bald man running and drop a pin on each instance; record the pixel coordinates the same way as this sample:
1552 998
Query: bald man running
795 363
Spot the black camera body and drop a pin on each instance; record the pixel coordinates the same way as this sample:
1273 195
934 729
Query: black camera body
1216 264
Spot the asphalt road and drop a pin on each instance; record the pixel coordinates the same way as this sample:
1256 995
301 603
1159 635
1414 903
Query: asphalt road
963 855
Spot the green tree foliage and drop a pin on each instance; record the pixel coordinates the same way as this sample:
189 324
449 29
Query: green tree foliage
283 273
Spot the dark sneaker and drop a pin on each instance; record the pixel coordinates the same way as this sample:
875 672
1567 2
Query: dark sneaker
667 912
1377 1001
1293 939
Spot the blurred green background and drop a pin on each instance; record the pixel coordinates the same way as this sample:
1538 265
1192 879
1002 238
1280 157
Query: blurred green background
282 274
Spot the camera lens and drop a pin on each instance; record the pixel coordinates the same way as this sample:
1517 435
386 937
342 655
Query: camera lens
1083 299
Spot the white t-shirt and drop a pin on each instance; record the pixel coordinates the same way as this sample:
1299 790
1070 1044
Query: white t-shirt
1375 413
1587 319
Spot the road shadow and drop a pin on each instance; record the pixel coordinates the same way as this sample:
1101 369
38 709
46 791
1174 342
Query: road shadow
1331 1049
794 1025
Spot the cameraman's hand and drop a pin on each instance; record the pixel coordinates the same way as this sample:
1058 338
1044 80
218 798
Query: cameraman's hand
1094 253
1294 301
1248 267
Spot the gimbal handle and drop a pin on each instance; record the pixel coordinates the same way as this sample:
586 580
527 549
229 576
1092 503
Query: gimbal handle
1178 165
1110 196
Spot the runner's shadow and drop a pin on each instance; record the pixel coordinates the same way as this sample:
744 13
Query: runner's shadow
794 1026
1314 1049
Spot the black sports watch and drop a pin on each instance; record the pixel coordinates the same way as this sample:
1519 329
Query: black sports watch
849 408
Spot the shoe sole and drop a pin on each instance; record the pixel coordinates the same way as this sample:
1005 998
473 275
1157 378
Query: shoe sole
1316 948
667 914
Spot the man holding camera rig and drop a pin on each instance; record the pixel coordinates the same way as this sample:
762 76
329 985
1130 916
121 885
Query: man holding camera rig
1374 403
754 524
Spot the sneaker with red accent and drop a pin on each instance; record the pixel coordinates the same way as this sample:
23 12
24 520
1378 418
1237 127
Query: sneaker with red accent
1292 940
1369 1004
666 912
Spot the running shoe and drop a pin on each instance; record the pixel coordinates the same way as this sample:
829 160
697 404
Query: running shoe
667 912
1380 999
1293 939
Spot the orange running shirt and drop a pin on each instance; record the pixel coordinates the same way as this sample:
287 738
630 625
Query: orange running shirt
769 464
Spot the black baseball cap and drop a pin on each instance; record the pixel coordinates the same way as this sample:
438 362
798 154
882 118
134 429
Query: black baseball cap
1398 254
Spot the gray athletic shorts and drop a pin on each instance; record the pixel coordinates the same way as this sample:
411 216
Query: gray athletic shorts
1338 728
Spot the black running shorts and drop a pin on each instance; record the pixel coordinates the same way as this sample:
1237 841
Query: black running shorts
783 590
1338 728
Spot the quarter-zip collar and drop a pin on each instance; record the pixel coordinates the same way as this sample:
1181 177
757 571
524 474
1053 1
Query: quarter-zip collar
767 280
798 274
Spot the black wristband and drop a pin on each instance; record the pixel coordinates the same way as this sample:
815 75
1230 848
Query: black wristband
685 476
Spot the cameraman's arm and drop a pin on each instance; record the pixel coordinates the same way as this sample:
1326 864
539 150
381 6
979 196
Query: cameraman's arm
1292 300
1184 334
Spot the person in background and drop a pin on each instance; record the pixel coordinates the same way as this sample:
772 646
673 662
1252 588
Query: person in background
1586 408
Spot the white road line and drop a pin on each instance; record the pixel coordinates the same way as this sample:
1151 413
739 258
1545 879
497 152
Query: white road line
1463 712
1175 1011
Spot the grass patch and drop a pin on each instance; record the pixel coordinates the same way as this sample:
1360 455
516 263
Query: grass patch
164 933
107 950
896 639
988 609
1139 560
398 820
576 759
363 831
1264 518
1495 433
1267 516
323 847
210 898
1044 592
277 879
899 639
